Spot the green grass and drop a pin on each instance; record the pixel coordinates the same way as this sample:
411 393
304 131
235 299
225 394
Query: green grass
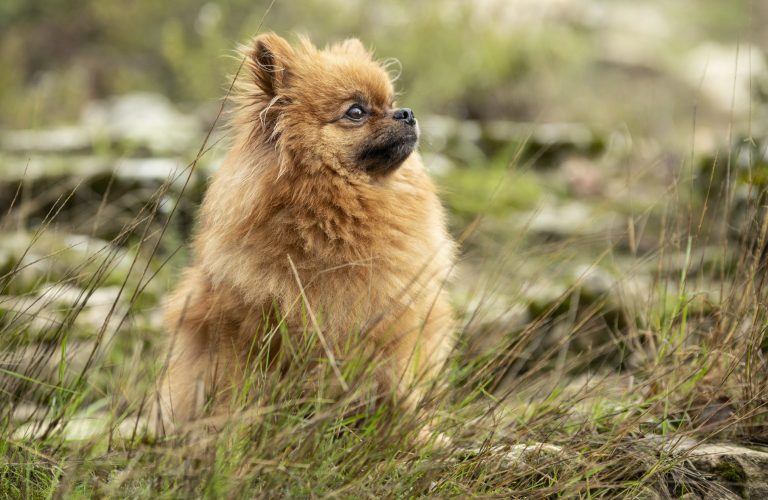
598 416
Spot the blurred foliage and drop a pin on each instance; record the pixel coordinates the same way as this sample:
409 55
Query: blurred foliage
491 191
458 58
66 52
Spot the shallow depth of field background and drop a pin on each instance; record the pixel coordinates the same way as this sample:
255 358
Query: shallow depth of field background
603 163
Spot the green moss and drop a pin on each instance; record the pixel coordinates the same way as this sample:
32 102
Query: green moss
473 191
757 175
733 474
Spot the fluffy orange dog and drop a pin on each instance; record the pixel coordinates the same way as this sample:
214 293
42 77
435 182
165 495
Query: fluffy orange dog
322 199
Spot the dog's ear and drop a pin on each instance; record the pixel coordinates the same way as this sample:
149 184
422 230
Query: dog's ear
271 58
354 46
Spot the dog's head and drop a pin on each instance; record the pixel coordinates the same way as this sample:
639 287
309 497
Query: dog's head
327 108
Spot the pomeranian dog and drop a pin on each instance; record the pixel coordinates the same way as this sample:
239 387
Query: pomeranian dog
322 207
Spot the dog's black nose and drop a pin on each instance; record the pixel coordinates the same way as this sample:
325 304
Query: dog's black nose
404 114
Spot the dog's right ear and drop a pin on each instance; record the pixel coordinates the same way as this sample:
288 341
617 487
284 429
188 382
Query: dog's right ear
270 57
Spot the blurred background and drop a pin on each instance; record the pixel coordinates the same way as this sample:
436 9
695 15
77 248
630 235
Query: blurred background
598 160
587 93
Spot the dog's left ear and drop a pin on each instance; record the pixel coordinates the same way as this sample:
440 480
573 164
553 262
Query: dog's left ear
271 58
354 46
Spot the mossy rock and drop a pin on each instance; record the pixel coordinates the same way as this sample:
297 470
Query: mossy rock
52 257
497 192
743 470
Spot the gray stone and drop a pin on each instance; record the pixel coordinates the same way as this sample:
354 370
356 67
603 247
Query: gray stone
457 138
57 140
29 315
94 308
543 293
724 74
594 280
82 426
742 470
438 164
156 170
14 169
50 256
144 119
140 119
572 218
44 363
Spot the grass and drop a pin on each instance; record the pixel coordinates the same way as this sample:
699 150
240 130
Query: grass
587 396
587 365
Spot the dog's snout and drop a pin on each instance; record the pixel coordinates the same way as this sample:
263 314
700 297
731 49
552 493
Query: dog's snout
404 114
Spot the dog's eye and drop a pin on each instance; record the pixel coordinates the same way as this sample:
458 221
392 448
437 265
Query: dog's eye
355 112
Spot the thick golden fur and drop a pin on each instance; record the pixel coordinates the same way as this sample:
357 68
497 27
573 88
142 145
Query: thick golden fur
369 248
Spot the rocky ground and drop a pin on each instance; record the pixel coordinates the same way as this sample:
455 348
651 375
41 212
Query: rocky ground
547 238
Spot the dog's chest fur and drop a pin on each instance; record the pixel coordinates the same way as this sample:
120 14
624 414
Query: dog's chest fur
356 250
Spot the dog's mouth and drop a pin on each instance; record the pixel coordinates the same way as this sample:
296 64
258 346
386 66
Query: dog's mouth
389 152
